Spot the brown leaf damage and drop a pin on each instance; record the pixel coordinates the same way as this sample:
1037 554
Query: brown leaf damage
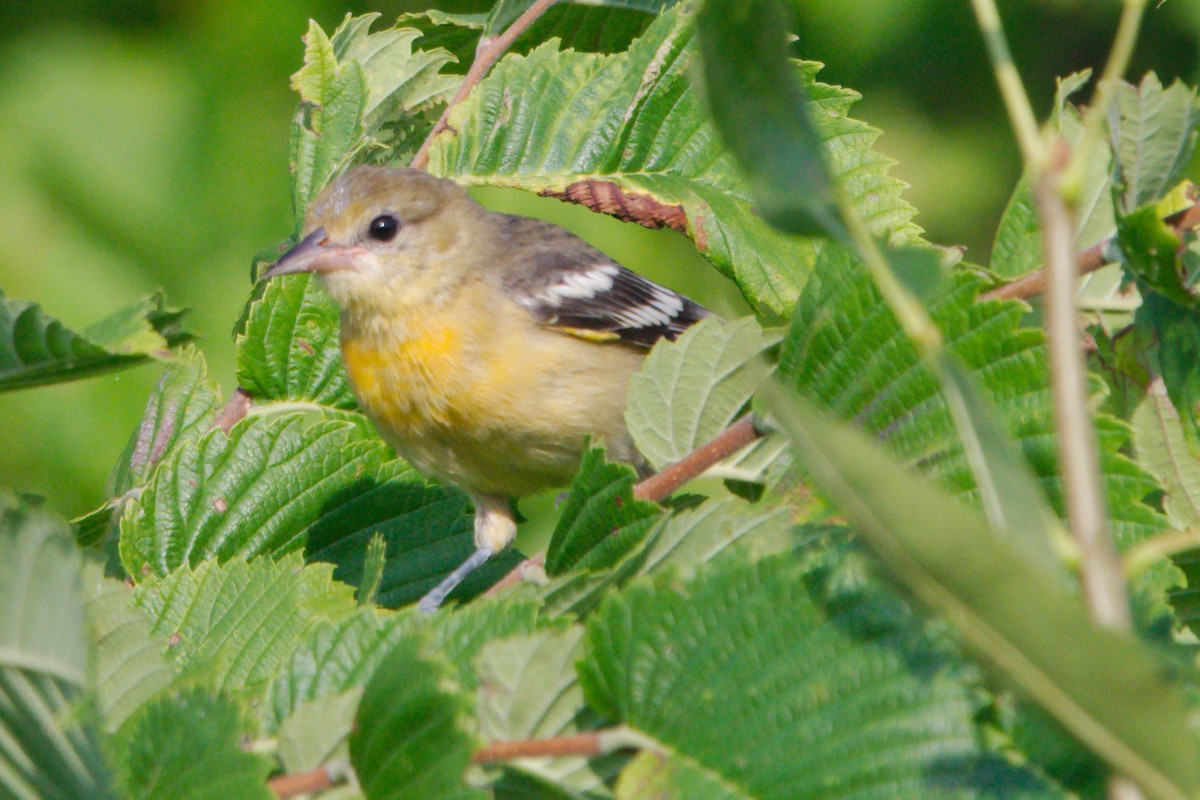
609 198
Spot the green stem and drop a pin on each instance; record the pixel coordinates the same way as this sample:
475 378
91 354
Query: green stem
912 315
1093 122
1020 112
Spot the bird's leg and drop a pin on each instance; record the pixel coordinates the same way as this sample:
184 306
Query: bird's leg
495 529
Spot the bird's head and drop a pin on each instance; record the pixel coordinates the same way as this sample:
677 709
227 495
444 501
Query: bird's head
379 235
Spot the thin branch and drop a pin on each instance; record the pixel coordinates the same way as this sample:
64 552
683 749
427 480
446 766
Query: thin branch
323 777
1102 575
518 574
1020 112
1089 260
487 53
588 745
235 410
663 484
1159 548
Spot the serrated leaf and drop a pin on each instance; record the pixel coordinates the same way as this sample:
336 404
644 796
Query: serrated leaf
327 128
289 350
410 737
1009 612
335 657
1176 328
128 667
36 349
689 390
1162 447
239 621
763 114
183 404
601 520
577 126
46 750
689 539
837 697
317 731
1149 247
401 80
238 496
186 747
528 690
360 92
1153 132
847 352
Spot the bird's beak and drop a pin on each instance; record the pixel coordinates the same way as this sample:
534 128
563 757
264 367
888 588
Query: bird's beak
315 253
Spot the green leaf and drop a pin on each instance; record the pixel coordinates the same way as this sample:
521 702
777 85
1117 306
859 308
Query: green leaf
184 404
835 696
327 128
240 621
36 349
689 390
690 539
1018 246
1153 133
128 666
46 750
401 80
410 737
318 731
1176 329
846 351
360 93
1149 247
1162 446
762 112
239 496
187 747
601 520
335 657
372 573
578 126
289 350
528 690
1010 612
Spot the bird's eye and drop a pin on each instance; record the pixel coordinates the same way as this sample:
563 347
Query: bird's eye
383 228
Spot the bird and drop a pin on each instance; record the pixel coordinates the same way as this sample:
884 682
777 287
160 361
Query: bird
486 348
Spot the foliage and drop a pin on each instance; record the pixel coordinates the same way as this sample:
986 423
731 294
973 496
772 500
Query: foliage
882 605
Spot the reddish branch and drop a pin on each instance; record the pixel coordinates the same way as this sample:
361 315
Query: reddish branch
487 53
303 782
234 411
667 481
587 745
1089 260
606 197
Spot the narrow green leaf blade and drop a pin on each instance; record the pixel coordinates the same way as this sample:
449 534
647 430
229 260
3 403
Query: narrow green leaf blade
1009 612
761 110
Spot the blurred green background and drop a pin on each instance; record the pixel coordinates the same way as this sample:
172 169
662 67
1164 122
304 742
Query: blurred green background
144 145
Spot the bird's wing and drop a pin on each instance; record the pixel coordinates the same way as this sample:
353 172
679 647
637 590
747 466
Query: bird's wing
568 284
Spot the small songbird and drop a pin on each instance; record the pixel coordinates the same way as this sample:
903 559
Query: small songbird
484 347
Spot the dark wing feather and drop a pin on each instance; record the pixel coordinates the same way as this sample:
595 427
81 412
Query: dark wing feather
568 283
